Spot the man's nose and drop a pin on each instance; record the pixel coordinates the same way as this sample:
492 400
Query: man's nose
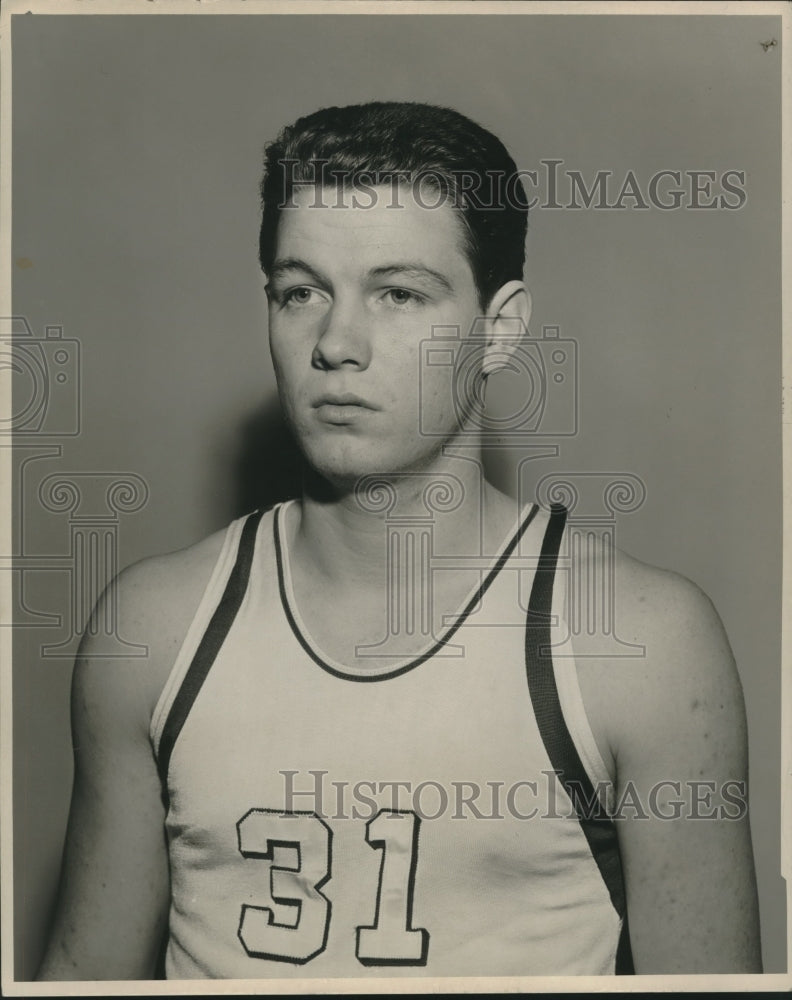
343 338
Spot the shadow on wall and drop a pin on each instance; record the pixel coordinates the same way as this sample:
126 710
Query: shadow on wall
269 463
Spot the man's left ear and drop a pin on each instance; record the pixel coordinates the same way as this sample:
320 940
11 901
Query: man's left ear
506 325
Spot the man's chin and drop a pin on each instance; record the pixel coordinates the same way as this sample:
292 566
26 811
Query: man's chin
342 465
334 475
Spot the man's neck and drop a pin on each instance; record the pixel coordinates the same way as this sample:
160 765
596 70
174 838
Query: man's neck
342 534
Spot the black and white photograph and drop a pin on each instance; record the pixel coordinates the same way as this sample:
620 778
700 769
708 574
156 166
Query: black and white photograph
393 409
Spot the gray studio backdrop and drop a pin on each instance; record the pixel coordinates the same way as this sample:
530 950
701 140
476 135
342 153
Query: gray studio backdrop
136 154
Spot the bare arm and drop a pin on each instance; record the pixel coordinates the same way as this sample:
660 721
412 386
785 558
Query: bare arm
113 895
674 722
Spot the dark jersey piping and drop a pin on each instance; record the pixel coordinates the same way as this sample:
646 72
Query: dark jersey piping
599 829
396 672
210 645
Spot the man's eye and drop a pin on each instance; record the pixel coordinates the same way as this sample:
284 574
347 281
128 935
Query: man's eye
403 297
300 296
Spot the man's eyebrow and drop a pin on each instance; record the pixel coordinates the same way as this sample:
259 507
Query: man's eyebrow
286 264
413 271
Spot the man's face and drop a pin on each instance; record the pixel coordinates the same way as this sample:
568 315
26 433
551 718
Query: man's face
353 292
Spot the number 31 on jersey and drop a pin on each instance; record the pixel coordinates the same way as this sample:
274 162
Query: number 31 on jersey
390 940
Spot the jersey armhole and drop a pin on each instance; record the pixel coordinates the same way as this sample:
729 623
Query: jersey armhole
573 708
211 596
576 718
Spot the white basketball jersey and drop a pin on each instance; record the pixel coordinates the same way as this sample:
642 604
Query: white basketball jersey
444 815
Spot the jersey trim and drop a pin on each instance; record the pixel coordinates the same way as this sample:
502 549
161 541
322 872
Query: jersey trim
210 644
209 600
576 717
368 676
598 828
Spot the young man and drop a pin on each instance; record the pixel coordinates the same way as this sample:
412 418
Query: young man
350 751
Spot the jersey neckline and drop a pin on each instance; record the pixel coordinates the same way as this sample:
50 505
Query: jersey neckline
346 672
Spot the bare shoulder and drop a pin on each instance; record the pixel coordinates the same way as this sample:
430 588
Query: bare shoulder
670 723
155 601
661 605
158 596
680 687
113 896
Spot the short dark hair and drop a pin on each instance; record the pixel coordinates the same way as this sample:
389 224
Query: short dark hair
378 140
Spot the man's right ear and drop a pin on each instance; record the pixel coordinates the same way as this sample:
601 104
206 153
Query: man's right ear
506 325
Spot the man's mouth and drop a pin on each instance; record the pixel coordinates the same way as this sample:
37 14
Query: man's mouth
343 399
342 408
